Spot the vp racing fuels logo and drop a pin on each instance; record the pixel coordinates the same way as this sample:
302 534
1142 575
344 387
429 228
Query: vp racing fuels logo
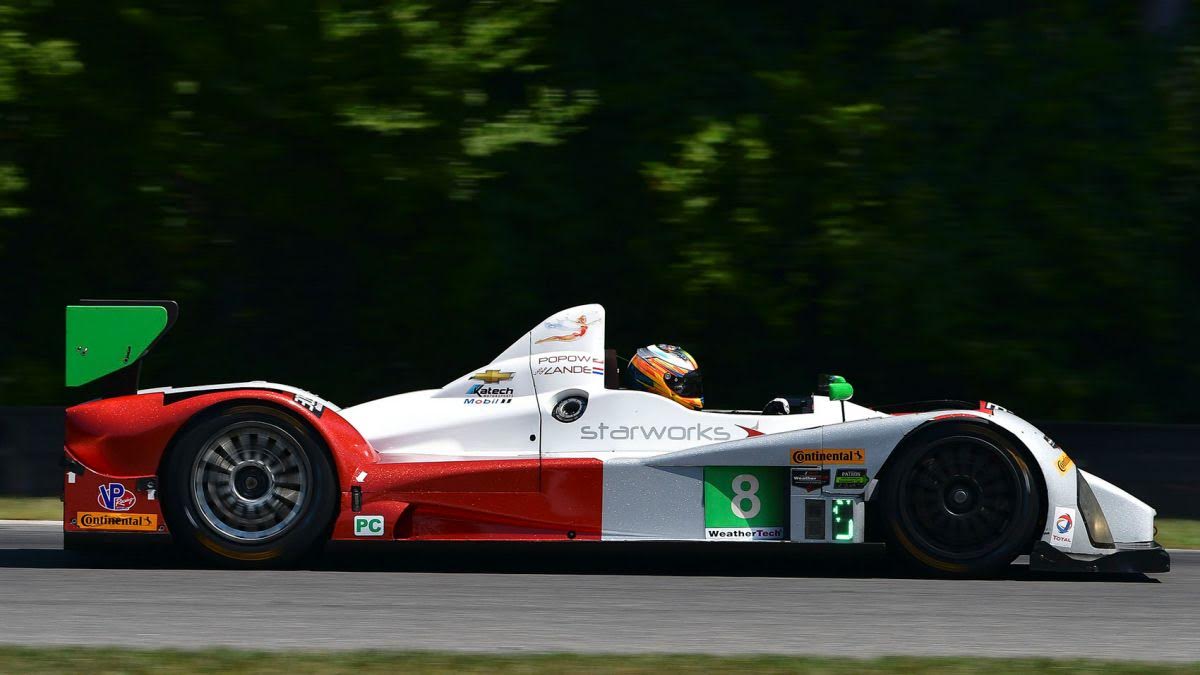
483 394
115 497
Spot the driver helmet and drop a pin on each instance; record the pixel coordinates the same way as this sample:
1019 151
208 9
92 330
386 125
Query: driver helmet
668 371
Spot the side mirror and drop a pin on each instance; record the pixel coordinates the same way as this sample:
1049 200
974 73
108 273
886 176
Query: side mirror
835 387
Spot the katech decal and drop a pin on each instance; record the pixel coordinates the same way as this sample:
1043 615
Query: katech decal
1063 464
697 432
829 456
492 376
313 405
368 526
115 497
850 479
482 394
111 521
1062 532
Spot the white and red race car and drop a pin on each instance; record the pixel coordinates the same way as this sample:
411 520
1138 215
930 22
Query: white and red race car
541 443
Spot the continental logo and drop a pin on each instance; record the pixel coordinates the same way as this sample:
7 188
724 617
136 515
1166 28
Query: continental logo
1063 464
117 521
817 457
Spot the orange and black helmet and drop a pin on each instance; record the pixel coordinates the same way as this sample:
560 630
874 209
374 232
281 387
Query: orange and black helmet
668 371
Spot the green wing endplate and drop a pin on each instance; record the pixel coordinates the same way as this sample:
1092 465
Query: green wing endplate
102 339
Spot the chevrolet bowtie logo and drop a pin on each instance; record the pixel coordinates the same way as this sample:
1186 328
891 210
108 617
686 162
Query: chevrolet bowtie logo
493 376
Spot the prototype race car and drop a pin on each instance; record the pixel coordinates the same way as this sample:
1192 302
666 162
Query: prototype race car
541 443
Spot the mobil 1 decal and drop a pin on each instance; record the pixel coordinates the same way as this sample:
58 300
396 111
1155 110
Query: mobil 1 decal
745 503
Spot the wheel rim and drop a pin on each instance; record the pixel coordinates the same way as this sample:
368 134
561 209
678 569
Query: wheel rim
250 480
963 497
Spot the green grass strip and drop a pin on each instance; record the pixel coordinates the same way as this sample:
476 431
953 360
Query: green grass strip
30 508
1178 532
86 660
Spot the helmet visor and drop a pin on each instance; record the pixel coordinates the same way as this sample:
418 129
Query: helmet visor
688 385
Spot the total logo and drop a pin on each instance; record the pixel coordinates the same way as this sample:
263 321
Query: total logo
1063 531
115 497
1064 523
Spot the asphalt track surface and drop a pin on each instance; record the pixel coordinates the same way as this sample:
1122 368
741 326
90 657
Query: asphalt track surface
582 597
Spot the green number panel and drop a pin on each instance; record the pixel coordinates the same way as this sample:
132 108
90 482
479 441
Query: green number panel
745 502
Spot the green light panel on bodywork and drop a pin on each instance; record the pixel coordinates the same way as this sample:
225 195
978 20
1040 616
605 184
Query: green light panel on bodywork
843 520
103 339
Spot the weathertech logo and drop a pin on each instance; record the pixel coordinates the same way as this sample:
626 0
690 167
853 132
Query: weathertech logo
744 533
112 521
829 456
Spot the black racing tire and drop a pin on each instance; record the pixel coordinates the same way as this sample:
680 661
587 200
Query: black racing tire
249 487
961 500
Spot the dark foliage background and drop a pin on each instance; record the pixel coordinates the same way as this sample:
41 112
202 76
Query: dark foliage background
935 199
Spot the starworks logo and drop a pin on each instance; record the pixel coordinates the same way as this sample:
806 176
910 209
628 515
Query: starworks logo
697 432
824 456
493 376
112 521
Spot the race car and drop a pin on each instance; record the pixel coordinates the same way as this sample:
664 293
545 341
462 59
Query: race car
544 443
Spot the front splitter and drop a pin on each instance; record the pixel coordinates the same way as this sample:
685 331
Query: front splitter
1142 560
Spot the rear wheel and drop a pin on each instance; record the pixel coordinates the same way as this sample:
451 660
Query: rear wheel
250 486
960 501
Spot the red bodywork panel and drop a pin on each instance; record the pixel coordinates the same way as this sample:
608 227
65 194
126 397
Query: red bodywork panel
126 436
482 500
121 440
91 503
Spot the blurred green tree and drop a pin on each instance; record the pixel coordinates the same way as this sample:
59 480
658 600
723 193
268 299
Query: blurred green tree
368 197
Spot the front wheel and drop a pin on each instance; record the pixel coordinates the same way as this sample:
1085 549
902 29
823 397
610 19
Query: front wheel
250 486
961 501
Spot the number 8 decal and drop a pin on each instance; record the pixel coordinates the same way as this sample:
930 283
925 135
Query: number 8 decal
748 495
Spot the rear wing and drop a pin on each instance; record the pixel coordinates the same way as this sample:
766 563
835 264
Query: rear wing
106 340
